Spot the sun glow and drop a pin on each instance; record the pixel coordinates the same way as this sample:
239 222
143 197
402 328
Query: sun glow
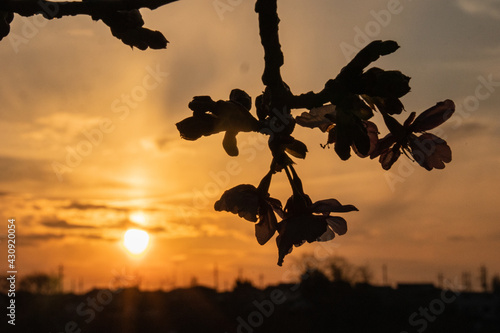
138 217
136 241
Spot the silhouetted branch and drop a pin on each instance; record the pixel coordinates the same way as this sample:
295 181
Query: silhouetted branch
122 16
51 9
273 56
309 100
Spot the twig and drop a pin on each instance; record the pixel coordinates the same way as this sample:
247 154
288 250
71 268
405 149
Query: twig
51 9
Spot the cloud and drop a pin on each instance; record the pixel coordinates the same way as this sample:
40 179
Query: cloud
86 206
99 237
126 224
485 7
32 239
61 224
461 238
166 143
23 169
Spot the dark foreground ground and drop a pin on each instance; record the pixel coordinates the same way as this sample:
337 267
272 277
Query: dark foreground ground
319 306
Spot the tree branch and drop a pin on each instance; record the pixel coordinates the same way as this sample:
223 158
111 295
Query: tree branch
273 56
51 9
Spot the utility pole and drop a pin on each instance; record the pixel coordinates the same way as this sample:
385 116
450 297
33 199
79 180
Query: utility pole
60 277
216 277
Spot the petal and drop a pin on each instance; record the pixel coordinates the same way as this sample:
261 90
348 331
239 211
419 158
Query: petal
433 116
316 117
337 224
430 151
328 235
331 205
264 184
243 200
362 143
383 144
396 129
389 157
276 206
410 119
265 229
343 141
389 105
297 230
372 132
283 249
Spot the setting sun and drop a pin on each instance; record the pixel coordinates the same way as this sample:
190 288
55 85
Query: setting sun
136 241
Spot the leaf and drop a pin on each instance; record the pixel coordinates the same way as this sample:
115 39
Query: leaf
317 117
433 116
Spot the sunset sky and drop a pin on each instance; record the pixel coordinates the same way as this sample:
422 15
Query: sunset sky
68 85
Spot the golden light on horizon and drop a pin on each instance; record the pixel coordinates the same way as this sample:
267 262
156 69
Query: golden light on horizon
136 241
